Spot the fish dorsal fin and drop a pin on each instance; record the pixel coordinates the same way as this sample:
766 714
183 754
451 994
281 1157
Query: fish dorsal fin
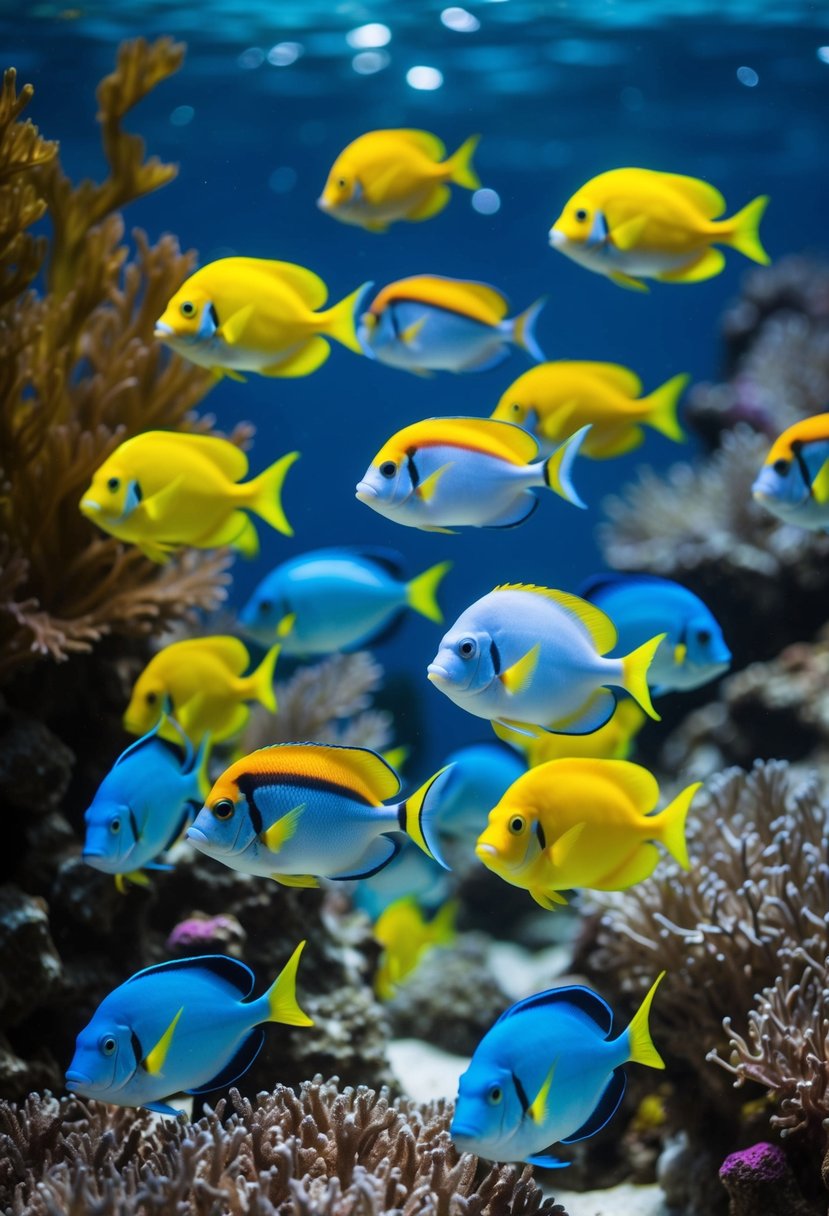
489 435
225 455
600 627
354 767
433 147
640 785
387 559
230 651
238 975
140 744
583 999
614 375
307 285
478 301
703 196
154 1059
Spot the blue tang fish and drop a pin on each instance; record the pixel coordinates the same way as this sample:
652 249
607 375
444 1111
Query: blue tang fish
694 650
186 1026
465 472
794 481
479 775
297 812
145 802
427 323
528 657
333 600
411 873
546 1073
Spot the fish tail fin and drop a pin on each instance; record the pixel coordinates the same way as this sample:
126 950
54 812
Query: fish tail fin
662 403
673 825
421 592
265 493
261 680
281 996
635 674
743 230
557 468
340 322
442 925
642 1050
418 815
522 330
459 164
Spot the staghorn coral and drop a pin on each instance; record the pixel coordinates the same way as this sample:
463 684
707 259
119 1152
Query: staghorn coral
766 581
329 703
315 1153
79 373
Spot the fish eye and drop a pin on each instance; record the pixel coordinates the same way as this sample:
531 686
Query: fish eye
115 824
113 484
581 215
265 606
467 648
495 1095
704 636
342 182
188 308
517 408
223 809
517 824
388 469
108 1045
781 467
151 698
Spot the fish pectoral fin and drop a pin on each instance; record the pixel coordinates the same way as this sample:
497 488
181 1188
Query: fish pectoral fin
537 1110
518 677
547 1162
548 900
286 625
680 653
820 484
296 880
559 851
448 531
153 1061
410 334
282 831
435 201
231 373
134 876
627 280
426 490
625 236
233 328
158 505
156 551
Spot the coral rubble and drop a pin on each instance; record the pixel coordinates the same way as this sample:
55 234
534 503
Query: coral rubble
318 1152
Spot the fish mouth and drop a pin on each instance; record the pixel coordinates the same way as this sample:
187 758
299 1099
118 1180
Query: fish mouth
485 850
462 1133
163 330
198 838
366 493
90 505
436 673
557 238
323 204
74 1080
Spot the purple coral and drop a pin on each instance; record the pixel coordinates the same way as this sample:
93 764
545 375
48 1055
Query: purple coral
199 934
758 1179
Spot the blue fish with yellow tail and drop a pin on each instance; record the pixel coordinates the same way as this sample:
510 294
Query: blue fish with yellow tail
145 802
794 482
547 1073
298 812
478 777
333 600
446 473
185 1026
529 657
694 651
428 323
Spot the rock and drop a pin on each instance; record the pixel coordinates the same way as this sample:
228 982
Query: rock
30 968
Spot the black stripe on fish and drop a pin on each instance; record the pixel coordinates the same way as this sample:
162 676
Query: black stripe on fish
539 831
134 824
138 1051
248 783
412 467
254 813
495 655
214 316
395 321
522 1093
797 452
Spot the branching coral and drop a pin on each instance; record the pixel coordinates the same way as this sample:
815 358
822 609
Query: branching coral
318 1153
749 916
79 373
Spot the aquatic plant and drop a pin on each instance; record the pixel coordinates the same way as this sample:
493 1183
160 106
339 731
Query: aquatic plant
321 1151
79 373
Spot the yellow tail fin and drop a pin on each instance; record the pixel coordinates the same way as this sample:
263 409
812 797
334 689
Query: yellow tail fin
744 230
662 406
281 996
266 493
642 1050
635 674
672 820
418 816
460 167
339 322
421 592
261 680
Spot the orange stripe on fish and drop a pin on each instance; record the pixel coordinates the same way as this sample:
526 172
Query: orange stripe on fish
477 301
808 430
502 440
354 769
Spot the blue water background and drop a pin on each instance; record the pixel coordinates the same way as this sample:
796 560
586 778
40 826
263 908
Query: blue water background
559 92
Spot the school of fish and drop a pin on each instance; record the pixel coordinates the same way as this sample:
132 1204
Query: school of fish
565 677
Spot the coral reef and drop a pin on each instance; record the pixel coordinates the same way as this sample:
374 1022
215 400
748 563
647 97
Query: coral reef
79 373
320 1151
758 1179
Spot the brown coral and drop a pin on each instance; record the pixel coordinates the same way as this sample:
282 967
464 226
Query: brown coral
79 373
317 1153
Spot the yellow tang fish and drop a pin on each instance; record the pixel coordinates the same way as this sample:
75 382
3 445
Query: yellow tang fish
385 176
406 936
251 314
201 681
582 823
631 224
163 489
553 400
613 741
